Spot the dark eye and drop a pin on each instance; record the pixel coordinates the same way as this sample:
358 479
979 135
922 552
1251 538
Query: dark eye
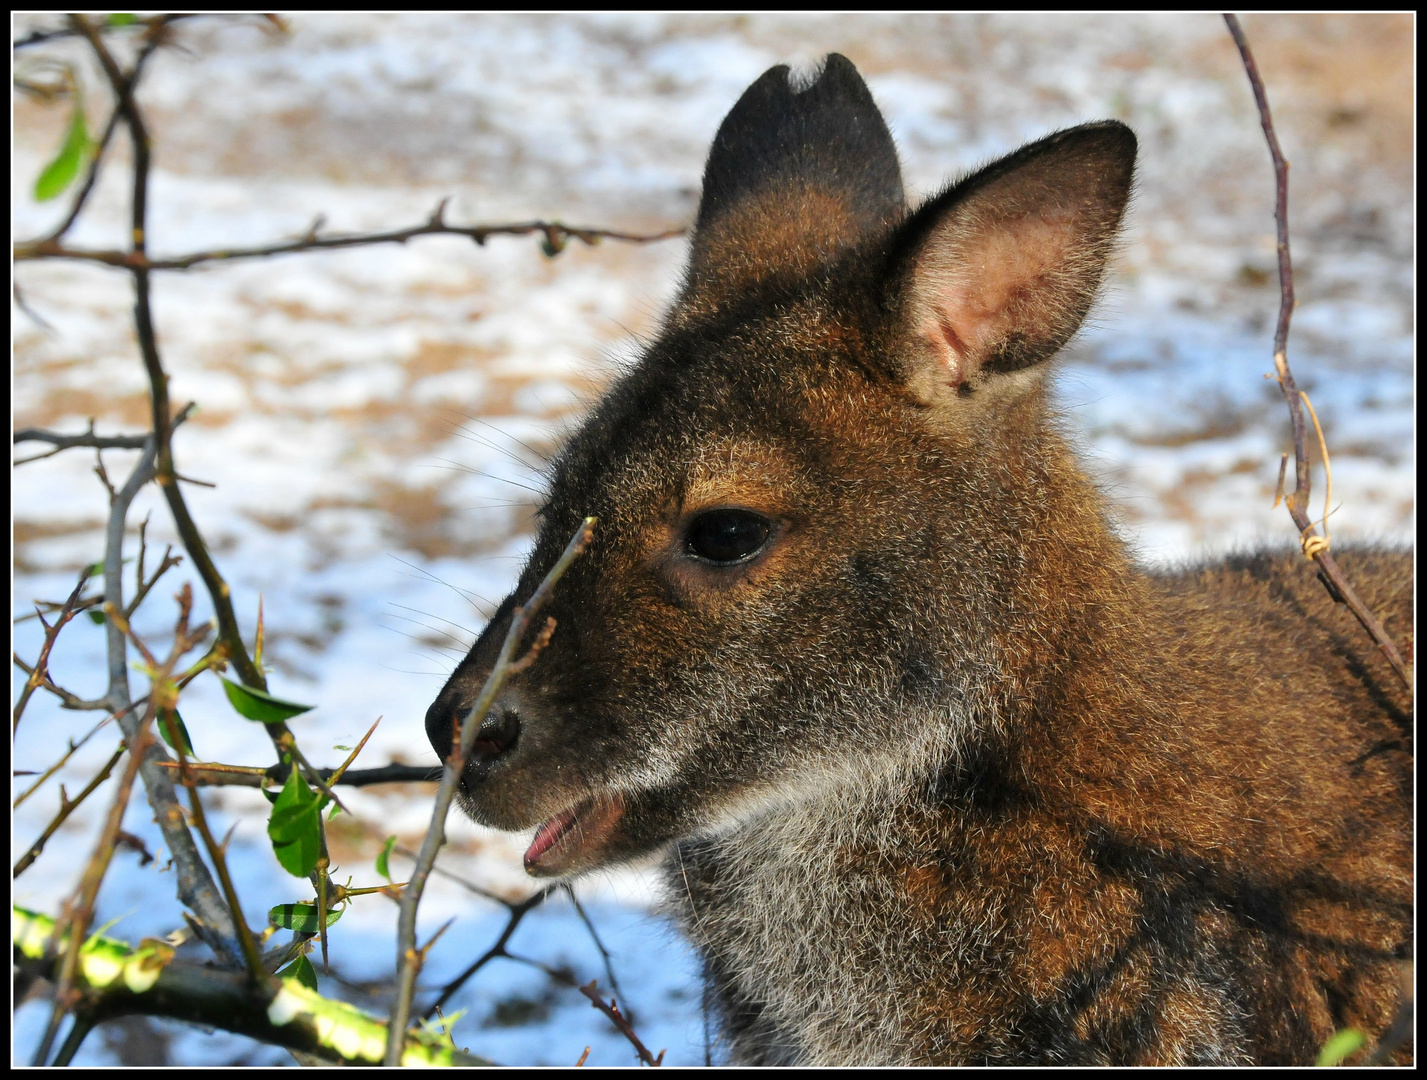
727 536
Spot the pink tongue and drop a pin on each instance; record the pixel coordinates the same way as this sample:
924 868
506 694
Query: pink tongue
548 835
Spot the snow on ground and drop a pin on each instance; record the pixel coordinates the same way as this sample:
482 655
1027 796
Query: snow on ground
376 419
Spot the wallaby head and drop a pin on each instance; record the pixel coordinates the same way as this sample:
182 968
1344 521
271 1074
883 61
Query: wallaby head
942 776
835 527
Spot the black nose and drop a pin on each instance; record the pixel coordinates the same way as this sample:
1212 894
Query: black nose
497 734
498 731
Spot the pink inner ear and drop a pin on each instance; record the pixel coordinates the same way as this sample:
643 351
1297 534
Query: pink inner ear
994 283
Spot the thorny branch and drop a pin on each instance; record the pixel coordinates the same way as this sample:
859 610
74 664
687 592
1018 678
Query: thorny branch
78 911
67 806
1297 502
408 959
39 673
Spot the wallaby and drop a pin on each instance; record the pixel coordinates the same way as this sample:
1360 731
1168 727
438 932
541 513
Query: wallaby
938 774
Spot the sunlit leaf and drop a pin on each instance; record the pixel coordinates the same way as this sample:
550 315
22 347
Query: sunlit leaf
73 153
301 917
259 705
170 716
295 827
122 18
1341 1046
382 860
300 969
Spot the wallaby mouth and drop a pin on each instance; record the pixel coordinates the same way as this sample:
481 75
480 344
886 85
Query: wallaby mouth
573 838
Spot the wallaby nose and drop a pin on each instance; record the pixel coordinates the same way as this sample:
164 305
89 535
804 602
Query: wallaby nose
498 733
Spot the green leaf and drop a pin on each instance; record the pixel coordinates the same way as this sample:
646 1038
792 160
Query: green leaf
300 969
128 18
295 827
258 705
95 616
382 867
1341 1046
60 172
167 716
301 917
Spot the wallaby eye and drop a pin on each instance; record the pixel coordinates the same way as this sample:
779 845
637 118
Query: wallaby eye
727 536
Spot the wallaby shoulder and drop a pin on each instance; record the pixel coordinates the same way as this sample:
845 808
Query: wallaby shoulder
1212 864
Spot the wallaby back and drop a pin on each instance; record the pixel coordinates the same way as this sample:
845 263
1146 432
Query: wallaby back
938 776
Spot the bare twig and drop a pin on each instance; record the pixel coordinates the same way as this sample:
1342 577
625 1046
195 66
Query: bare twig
67 806
67 699
595 937
1297 502
611 1009
40 37
67 442
408 959
216 774
554 234
73 746
39 673
517 912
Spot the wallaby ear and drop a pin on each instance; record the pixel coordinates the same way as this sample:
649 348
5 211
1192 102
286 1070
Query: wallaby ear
794 177
995 274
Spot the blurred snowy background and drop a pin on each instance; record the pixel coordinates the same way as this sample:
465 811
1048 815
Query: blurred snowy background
375 420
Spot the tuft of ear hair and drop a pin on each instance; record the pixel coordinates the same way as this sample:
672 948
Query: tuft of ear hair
995 274
794 178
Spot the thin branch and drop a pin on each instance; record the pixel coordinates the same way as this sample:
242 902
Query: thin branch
40 37
216 774
516 913
39 673
408 959
67 699
73 746
554 234
595 937
67 806
1297 502
611 1009
69 442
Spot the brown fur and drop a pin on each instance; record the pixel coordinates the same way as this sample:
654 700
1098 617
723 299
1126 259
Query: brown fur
937 774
